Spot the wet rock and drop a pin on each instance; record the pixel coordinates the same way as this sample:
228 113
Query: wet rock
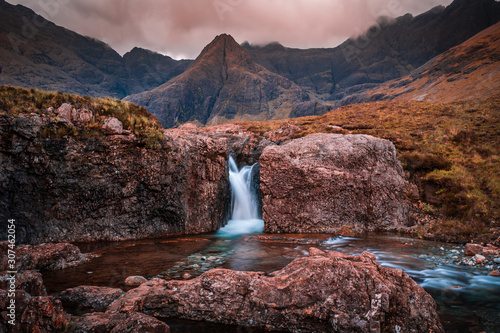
473 249
322 182
44 314
112 126
84 298
29 281
135 281
141 323
119 323
497 260
479 258
495 273
49 256
79 188
284 240
312 294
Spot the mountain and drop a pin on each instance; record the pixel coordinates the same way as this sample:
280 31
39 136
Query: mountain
147 69
225 84
469 71
37 53
386 51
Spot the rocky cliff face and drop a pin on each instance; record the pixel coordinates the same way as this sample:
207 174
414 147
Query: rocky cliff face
324 181
318 293
78 188
224 85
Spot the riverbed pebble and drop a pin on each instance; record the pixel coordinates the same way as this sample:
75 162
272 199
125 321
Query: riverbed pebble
495 273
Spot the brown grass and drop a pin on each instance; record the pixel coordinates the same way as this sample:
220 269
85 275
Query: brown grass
14 101
455 146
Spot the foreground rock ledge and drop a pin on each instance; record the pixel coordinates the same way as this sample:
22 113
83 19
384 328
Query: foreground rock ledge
324 292
322 182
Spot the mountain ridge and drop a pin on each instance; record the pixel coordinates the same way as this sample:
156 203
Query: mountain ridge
224 84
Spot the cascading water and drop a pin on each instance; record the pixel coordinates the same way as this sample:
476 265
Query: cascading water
245 209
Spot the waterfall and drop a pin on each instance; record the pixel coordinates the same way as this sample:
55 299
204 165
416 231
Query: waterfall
245 208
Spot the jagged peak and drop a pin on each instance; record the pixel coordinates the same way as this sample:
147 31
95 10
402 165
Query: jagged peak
224 46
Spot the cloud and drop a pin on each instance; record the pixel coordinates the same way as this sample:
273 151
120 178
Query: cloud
180 28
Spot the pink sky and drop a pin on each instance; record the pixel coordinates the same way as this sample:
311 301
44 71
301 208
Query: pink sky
180 28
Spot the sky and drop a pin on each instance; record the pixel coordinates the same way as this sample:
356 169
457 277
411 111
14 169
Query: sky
181 28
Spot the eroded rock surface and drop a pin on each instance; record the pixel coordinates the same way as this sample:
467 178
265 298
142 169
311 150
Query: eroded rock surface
93 298
79 188
312 294
321 182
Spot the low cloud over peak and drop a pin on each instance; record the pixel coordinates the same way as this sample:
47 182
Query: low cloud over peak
181 28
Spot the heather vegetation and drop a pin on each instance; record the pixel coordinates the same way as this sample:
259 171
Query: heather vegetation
15 101
450 151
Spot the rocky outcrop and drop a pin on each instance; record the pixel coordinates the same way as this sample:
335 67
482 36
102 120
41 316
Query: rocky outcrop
75 187
311 294
119 323
50 256
34 310
324 181
85 298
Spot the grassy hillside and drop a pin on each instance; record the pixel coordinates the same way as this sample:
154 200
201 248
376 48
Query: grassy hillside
450 151
14 101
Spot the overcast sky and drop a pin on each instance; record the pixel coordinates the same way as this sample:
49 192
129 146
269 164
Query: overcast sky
181 28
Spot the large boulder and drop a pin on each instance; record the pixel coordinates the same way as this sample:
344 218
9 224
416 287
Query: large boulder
85 298
50 256
132 322
321 182
318 293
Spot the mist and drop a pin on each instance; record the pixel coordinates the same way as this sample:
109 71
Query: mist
181 28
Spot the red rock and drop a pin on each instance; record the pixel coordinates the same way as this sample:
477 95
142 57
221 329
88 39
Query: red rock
83 298
98 322
112 126
140 323
495 273
135 281
311 294
323 182
49 256
44 314
29 281
473 249
120 323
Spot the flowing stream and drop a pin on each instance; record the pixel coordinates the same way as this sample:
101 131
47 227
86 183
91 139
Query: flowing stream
245 215
468 299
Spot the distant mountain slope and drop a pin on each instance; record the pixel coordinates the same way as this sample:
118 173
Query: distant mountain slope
383 53
469 71
225 84
43 55
37 53
147 69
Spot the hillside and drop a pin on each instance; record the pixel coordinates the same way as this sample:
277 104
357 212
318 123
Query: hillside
225 84
389 50
469 71
450 151
42 55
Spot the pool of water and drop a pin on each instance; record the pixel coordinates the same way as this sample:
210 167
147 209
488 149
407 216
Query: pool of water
468 299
